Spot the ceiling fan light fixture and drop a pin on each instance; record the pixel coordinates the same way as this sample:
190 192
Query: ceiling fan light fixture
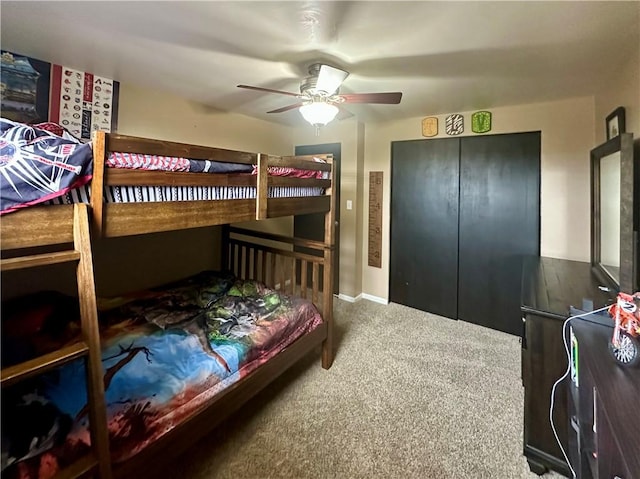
319 113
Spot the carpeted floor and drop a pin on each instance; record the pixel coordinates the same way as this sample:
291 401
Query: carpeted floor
410 395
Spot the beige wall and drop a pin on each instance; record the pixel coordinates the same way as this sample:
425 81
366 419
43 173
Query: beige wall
567 128
157 114
125 264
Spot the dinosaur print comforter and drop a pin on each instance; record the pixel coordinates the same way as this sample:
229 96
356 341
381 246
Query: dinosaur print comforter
165 353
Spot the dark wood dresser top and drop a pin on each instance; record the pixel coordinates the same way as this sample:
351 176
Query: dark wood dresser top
551 285
618 387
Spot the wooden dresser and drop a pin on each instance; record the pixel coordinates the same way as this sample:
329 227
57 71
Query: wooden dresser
549 287
603 409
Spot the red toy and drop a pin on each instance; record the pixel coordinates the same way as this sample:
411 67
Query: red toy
624 346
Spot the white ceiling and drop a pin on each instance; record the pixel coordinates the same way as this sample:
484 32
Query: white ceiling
444 56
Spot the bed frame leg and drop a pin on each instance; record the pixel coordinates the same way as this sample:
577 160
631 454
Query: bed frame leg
327 305
327 351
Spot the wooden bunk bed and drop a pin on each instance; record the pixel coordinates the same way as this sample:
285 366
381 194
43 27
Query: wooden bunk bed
268 258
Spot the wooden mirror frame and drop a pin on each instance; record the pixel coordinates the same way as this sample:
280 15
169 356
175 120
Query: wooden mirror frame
628 281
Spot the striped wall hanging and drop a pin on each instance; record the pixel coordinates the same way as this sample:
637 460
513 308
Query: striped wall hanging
454 124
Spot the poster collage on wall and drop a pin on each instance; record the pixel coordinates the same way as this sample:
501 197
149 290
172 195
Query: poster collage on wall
34 91
83 102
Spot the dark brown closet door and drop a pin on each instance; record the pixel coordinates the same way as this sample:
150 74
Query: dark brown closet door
499 223
424 225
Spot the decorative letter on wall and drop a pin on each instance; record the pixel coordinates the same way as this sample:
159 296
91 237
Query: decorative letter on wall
430 126
454 124
481 122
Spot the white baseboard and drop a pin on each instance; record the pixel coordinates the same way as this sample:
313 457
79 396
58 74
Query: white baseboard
349 299
361 296
375 299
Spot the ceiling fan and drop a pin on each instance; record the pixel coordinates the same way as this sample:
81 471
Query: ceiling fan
320 98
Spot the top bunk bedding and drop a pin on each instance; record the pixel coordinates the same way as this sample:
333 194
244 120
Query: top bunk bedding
44 164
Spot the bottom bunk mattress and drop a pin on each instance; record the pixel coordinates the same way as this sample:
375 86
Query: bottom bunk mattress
165 354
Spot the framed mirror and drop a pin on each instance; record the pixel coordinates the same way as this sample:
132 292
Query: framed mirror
613 233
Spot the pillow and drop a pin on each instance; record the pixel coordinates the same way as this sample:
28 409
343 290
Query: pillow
37 324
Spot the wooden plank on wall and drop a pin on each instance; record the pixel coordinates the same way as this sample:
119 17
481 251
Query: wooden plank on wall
375 219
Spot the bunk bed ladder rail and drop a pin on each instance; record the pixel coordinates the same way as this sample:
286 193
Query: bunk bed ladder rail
88 348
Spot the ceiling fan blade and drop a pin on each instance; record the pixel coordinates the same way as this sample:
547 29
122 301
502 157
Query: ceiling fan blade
268 90
390 98
330 79
286 108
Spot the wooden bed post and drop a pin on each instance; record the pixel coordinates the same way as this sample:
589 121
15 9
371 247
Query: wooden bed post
262 187
97 183
327 280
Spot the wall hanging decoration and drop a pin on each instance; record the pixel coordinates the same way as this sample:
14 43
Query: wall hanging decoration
430 126
454 124
25 88
83 102
375 219
34 91
481 122
616 123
